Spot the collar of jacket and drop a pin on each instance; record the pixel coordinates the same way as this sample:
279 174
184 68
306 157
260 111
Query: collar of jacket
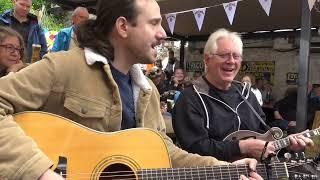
137 75
202 86
9 13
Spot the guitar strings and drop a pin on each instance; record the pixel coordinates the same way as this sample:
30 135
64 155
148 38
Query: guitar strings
187 171
303 174
178 170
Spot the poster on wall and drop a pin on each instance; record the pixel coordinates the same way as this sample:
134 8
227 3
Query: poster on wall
260 69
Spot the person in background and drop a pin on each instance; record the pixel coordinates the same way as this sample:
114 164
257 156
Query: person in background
65 38
285 111
171 66
250 81
268 96
216 106
11 51
313 104
98 84
177 80
196 75
27 25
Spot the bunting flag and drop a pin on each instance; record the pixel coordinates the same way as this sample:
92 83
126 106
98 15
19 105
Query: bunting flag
199 15
171 19
266 5
311 4
230 9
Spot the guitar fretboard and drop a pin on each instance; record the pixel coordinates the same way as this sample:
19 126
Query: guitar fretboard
282 143
277 170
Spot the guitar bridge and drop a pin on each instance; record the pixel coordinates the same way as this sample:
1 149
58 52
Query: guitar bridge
62 167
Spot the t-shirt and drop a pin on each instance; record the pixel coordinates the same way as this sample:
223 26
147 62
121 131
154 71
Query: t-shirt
127 101
23 28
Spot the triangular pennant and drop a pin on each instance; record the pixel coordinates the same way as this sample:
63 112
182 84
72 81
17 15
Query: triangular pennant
199 15
266 5
230 9
171 19
311 4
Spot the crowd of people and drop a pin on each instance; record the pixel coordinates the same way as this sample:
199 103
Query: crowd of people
97 69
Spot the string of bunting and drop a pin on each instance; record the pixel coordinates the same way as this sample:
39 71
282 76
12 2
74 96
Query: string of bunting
230 9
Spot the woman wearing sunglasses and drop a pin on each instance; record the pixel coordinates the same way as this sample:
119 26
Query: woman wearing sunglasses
11 51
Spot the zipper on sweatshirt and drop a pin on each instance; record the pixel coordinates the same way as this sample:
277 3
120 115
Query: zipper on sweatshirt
229 107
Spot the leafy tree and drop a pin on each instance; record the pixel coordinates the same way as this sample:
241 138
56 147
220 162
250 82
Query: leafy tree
49 21
4 5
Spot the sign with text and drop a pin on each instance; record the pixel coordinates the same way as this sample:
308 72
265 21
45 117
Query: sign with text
260 69
194 66
292 78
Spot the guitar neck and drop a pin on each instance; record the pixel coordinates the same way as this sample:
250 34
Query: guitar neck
277 170
285 142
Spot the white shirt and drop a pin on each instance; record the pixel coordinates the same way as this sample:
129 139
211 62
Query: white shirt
258 95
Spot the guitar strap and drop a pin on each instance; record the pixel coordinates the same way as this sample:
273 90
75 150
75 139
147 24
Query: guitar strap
253 110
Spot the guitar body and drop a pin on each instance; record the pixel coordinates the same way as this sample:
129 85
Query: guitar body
82 153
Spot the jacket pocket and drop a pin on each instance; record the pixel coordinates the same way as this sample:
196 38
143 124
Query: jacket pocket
84 107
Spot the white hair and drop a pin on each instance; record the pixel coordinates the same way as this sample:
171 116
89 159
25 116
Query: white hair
79 9
211 45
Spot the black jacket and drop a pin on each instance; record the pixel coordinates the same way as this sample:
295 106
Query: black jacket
203 118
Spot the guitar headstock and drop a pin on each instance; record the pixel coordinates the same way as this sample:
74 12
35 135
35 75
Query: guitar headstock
300 167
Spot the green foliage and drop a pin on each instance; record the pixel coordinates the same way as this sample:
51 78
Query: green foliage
49 21
37 4
54 22
4 5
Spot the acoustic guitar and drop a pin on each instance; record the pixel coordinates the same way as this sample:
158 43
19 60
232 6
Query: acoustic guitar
82 153
273 135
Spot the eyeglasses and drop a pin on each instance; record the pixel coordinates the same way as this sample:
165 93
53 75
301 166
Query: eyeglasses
227 56
11 49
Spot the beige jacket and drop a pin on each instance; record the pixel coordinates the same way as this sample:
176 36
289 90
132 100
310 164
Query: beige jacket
63 83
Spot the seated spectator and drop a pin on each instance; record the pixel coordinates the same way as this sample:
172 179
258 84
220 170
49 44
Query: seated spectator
65 39
313 104
250 81
285 111
11 51
177 80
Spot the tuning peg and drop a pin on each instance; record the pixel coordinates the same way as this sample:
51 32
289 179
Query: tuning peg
287 156
305 176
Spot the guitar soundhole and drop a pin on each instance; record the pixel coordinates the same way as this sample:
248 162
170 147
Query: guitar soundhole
117 171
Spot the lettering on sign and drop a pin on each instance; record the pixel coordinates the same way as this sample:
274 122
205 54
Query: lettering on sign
194 66
292 78
260 69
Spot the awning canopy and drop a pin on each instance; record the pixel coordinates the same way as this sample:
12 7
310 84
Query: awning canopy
249 16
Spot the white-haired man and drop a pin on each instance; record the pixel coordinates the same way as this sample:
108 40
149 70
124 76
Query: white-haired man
65 39
216 106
